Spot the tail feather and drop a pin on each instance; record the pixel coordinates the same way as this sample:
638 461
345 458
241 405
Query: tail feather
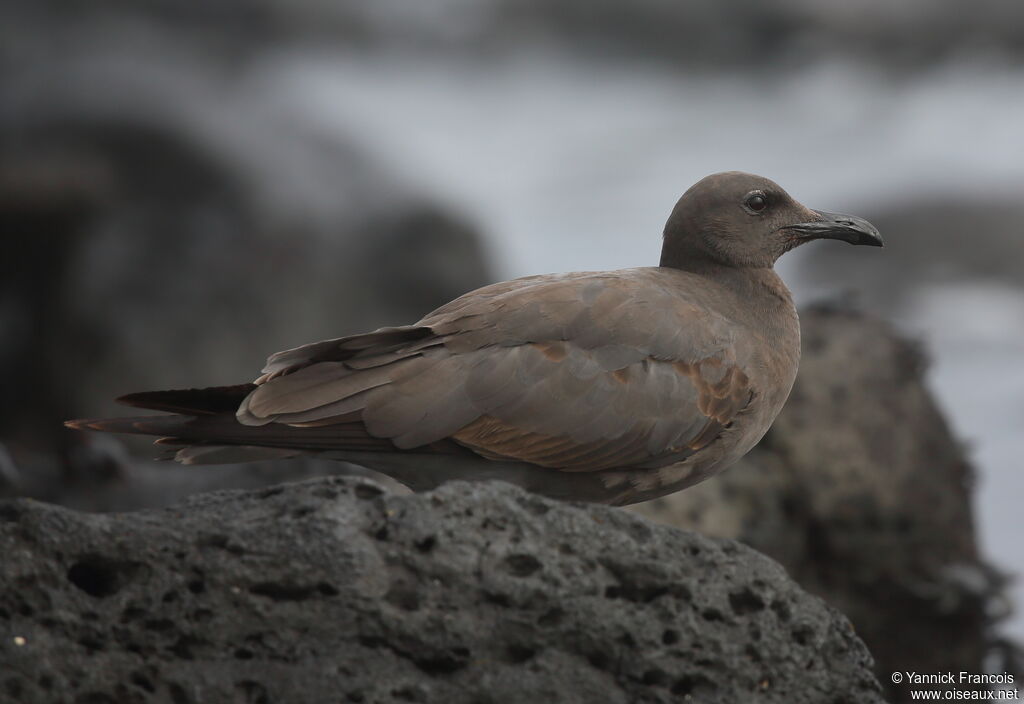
212 400
231 454
137 425
224 429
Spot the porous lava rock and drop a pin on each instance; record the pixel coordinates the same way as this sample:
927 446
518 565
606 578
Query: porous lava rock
335 590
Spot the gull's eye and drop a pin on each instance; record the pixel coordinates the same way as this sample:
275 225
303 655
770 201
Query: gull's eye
755 202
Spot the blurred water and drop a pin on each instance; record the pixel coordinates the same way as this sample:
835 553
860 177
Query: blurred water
975 332
570 166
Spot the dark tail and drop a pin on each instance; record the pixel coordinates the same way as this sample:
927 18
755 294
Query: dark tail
209 401
206 418
225 430
138 425
187 405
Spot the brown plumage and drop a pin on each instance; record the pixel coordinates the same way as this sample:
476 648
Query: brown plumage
612 386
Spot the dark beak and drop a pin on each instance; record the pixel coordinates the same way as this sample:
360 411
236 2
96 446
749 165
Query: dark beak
833 226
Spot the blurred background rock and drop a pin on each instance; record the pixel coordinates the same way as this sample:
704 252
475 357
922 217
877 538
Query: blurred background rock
185 188
861 491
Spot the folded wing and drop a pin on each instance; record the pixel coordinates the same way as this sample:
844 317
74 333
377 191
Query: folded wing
575 372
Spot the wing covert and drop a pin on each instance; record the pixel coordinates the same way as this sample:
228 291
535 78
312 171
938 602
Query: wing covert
576 372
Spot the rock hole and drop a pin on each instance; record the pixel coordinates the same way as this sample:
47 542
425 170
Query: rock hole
404 597
196 586
803 635
497 598
178 695
91 644
213 540
427 544
443 663
132 613
184 646
367 491
842 699
325 492
533 504
326 589
599 660
202 615
639 531
781 610
140 680
551 617
651 593
101 577
303 511
95 698
243 654
745 601
159 625
522 565
518 654
655 678
691 684
670 637
46 682
712 615
278 591
410 693
681 592
251 693
634 593
373 642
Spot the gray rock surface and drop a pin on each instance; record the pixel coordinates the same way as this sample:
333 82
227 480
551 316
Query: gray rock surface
863 494
335 591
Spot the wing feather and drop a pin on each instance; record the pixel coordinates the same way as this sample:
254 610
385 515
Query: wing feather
575 372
